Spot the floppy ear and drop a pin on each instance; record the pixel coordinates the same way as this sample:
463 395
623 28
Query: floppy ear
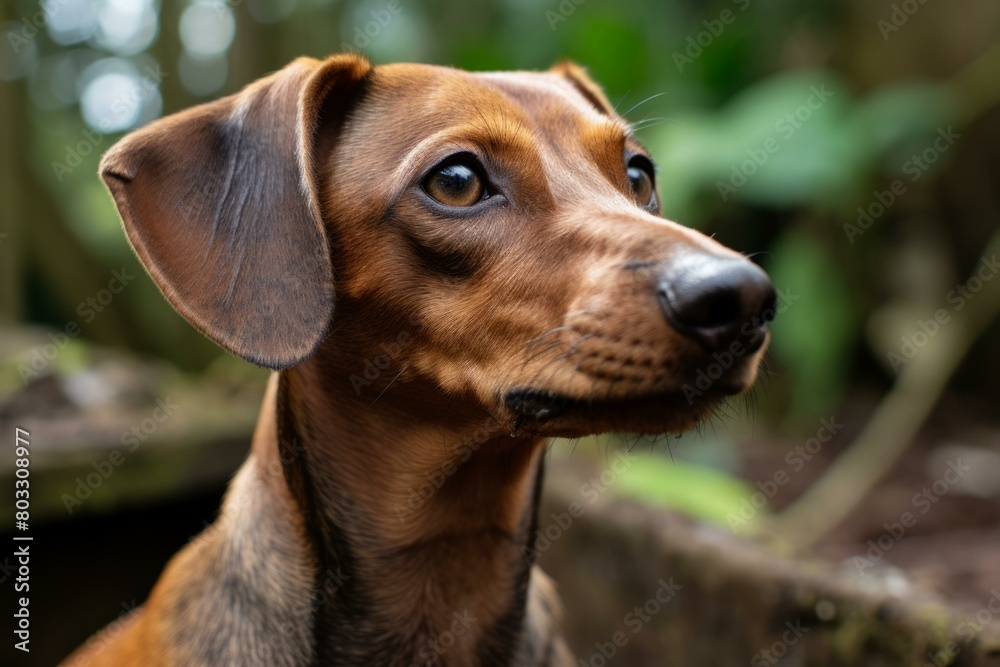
588 88
220 204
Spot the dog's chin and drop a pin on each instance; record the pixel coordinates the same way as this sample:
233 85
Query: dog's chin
553 414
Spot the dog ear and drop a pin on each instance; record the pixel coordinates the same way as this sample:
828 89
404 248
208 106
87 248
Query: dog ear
220 204
585 85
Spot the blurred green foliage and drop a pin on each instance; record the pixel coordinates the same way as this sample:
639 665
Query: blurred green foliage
772 123
696 490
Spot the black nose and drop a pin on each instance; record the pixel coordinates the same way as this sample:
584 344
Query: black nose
718 300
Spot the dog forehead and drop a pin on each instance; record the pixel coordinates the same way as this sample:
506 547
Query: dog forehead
432 90
543 92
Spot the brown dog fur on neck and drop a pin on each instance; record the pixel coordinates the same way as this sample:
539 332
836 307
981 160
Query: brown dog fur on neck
424 351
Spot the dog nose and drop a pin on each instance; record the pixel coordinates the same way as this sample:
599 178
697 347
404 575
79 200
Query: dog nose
718 300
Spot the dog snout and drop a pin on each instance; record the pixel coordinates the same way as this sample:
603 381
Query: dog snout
717 300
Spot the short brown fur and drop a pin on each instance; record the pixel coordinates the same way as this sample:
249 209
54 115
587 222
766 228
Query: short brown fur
288 223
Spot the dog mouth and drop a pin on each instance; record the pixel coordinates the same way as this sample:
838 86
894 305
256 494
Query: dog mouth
539 405
542 410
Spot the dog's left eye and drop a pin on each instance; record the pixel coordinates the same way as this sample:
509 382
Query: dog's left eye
640 177
456 183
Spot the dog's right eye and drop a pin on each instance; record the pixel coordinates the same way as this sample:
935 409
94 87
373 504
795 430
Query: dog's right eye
456 183
640 177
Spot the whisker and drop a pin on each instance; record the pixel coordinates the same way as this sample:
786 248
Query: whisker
574 347
542 346
646 124
620 100
553 330
548 366
386 388
636 106
547 347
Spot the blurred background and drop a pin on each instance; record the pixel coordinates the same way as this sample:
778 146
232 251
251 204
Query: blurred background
851 146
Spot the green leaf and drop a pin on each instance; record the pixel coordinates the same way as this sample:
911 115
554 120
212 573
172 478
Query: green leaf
887 121
696 490
786 141
816 323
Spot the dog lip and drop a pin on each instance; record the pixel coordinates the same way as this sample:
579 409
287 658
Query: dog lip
544 405
538 404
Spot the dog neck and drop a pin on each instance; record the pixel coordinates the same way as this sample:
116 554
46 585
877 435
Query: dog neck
422 514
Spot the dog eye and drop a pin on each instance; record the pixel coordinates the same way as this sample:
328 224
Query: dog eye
640 177
456 183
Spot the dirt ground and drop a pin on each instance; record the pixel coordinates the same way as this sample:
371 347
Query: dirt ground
952 546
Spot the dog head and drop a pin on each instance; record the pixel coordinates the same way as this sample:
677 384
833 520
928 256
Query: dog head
496 236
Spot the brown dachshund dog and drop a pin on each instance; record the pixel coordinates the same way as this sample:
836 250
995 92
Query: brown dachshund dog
444 269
